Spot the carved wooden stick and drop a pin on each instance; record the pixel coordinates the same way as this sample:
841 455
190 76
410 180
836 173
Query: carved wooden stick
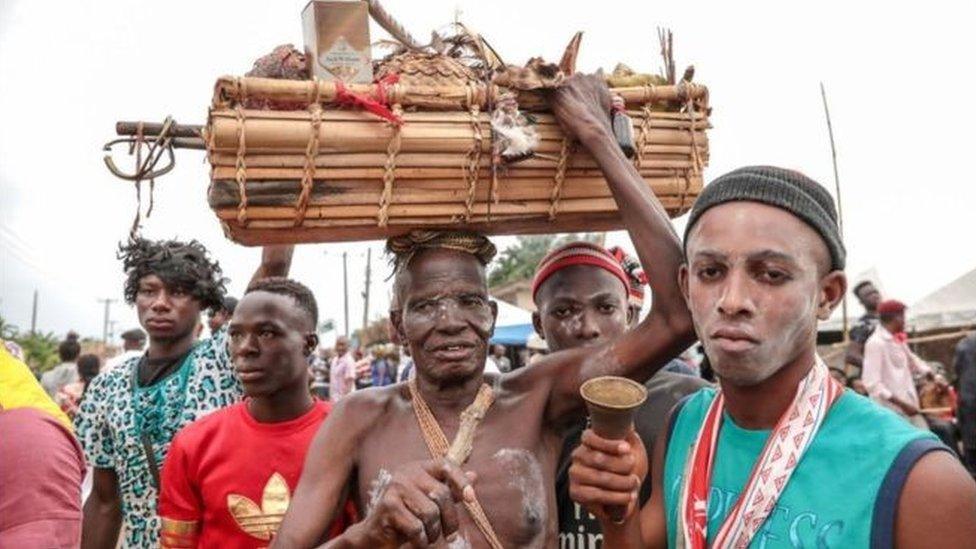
470 418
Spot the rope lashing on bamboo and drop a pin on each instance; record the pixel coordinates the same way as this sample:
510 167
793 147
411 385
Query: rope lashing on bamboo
240 175
697 161
560 177
643 136
242 91
490 98
311 152
678 176
493 199
389 171
313 93
458 452
474 155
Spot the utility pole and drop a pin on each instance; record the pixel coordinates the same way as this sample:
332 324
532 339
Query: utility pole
369 258
840 209
345 294
108 303
34 314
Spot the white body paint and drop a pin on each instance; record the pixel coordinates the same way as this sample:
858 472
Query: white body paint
525 475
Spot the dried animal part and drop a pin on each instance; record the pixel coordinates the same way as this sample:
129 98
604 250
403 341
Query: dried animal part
426 69
284 62
514 138
625 77
468 44
535 75
568 62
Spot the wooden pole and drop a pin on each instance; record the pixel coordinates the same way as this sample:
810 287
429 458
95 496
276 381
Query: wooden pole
840 209
34 315
369 258
108 303
345 295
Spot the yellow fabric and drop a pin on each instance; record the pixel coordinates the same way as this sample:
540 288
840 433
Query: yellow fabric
20 389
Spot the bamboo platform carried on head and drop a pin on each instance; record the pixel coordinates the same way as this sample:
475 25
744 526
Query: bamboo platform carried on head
318 173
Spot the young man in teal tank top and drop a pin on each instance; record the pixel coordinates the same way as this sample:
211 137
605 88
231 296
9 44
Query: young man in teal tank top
780 455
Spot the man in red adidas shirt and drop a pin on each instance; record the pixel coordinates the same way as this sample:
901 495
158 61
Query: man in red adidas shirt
228 477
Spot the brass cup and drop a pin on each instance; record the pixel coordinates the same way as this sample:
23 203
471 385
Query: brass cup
611 402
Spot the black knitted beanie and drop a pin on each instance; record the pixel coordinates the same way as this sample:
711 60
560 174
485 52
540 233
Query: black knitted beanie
786 189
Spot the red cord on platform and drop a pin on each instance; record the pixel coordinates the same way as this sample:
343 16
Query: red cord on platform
376 106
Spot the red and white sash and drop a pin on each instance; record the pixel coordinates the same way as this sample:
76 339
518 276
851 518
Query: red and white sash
783 451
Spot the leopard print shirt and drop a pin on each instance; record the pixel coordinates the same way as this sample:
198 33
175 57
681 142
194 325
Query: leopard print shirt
106 425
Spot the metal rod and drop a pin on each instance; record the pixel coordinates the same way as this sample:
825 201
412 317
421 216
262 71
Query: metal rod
840 209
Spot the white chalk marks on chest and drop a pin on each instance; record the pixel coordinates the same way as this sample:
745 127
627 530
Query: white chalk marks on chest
376 489
525 476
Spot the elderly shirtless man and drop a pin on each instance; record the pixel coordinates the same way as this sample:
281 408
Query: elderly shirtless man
373 449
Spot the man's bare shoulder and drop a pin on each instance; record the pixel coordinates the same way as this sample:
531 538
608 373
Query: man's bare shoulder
369 405
937 504
521 381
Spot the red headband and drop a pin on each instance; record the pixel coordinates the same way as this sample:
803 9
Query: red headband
578 253
891 306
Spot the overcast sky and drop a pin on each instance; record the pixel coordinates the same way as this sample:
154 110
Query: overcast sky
898 80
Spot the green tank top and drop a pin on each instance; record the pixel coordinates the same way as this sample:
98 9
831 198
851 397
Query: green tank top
843 493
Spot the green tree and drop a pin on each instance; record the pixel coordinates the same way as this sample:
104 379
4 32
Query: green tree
40 350
518 262
7 330
326 325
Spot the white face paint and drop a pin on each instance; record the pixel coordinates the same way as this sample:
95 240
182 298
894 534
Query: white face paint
460 542
376 489
525 475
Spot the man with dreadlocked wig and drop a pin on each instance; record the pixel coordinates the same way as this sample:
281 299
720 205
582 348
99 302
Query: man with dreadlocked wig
130 414
385 448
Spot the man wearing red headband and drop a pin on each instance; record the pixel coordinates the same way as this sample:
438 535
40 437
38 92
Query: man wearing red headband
587 296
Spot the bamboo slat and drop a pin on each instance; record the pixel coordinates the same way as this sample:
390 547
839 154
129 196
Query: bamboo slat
259 233
225 193
655 157
231 90
266 133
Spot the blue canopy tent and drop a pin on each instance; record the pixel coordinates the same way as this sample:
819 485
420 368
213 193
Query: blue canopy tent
513 326
517 334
